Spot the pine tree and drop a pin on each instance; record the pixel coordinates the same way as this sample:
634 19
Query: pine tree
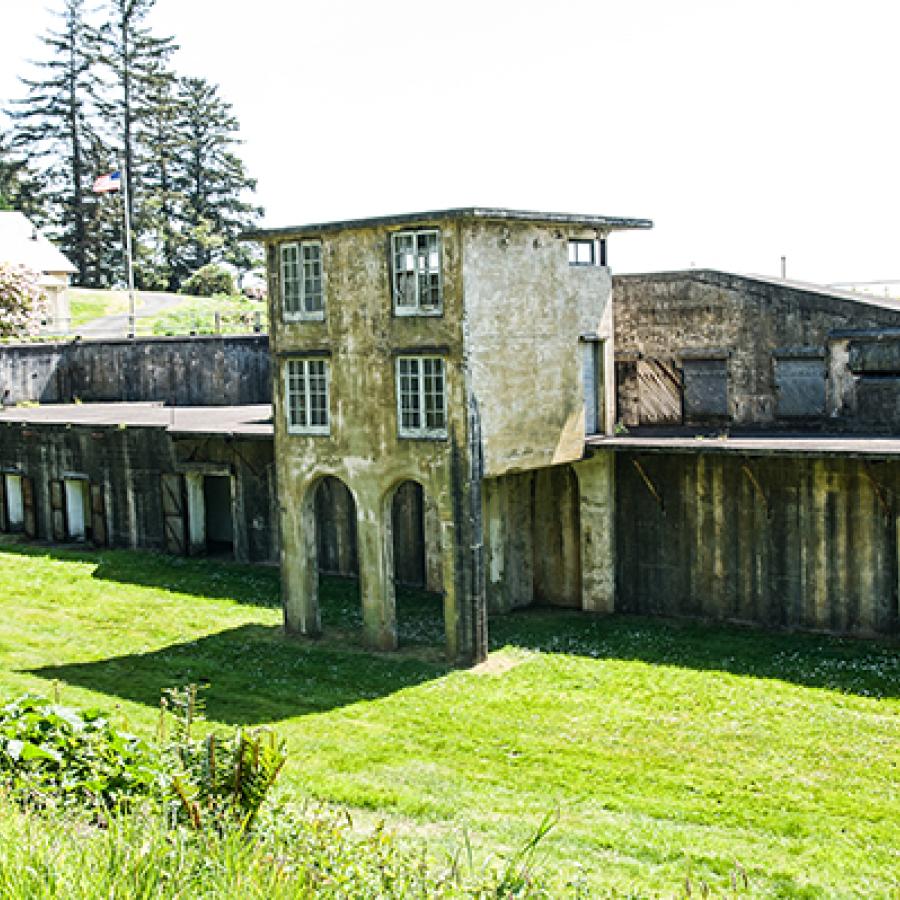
138 63
213 181
20 188
53 126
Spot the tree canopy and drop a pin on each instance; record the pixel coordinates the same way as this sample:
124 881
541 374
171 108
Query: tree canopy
105 97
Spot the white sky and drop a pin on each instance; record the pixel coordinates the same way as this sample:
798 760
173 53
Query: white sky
746 129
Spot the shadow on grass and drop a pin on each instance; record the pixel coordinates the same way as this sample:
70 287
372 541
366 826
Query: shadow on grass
253 674
252 585
850 665
855 666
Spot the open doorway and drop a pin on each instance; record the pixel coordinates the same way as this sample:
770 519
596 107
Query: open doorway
417 565
337 555
218 518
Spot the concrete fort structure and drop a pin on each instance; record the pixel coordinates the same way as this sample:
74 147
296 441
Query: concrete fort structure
449 357
445 417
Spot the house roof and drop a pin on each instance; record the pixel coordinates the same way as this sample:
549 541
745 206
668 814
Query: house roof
749 282
22 244
608 223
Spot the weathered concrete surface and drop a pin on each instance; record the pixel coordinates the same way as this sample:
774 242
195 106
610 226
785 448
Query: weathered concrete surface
138 477
361 339
187 371
512 331
769 337
782 540
527 313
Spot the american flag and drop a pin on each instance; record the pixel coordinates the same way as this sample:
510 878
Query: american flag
109 182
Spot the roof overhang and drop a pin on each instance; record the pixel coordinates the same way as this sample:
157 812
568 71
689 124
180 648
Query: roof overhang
577 220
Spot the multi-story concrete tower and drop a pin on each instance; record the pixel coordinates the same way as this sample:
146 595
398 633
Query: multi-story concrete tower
445 349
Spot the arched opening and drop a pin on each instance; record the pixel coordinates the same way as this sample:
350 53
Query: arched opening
336 554
417 575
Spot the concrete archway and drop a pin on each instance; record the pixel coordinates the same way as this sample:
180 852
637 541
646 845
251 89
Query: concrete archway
414 563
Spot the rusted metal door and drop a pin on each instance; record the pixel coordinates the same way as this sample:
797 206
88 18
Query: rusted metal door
98 515
29 515
174 514
659 389
57 511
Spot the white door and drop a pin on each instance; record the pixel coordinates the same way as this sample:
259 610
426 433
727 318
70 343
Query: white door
15 510
75 508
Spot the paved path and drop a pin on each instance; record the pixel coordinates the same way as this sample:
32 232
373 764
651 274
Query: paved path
147 303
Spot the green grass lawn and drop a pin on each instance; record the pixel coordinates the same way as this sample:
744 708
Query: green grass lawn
87 305
668 751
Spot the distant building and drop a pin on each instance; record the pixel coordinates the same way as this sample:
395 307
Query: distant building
22 244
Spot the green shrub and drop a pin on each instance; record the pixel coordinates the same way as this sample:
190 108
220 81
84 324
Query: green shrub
52 754
208 281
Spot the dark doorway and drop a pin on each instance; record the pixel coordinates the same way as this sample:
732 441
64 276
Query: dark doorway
217 506
336 544
408 527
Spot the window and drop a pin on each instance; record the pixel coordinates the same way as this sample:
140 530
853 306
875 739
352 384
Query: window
306 396
705 388
417 272
581 253
421 397
301 280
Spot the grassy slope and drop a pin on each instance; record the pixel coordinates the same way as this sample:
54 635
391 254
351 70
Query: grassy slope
667 749
198 314
87 305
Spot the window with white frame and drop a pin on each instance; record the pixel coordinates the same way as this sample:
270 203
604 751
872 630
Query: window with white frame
581 252
417 272
301 280
306 396
421 397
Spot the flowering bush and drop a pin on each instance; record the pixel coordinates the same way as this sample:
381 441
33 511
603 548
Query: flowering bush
22 303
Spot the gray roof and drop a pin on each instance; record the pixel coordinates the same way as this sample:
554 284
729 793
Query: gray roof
245 421
731 279
22 244
468 212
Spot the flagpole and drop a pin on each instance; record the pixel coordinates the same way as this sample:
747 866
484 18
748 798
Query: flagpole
129 267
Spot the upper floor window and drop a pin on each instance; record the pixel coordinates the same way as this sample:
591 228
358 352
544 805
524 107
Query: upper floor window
306 396
301 280
417 272
585 252
421 397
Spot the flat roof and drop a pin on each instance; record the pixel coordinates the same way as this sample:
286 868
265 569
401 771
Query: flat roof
467 212
220 421
811 445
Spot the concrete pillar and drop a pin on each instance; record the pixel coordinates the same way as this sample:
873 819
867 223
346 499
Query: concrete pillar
299 568
596 487
375 547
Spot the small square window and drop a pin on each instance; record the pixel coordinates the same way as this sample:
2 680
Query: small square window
301 280
306 396
421 397
417 284
582 253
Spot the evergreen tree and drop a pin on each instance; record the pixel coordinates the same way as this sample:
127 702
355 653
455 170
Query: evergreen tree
53 125
138 63
212 180
20 187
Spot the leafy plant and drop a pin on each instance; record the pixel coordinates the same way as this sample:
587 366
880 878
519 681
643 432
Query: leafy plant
22 303
219 781
51 753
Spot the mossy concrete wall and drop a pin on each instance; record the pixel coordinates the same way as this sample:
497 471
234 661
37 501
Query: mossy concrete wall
528 314
361 338
187 371
663 318
128 464
794 541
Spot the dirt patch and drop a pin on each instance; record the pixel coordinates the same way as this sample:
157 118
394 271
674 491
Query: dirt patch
497 663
